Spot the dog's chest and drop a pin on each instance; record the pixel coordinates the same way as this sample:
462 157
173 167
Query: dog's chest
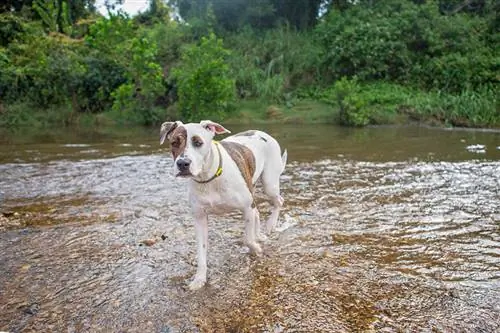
219 197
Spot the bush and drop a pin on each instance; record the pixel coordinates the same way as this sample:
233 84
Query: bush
353 108
169 39
466 109
44 71
272 63
103 75
129 62
112 36
205 87
367 42
11 28
136 99
47 70
404 42
362 104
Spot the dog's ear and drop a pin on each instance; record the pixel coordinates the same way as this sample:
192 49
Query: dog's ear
167 128
214 127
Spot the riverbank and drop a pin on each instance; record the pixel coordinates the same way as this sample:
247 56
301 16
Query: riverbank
351 104
346 103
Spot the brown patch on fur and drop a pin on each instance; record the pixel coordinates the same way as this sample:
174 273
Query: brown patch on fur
166 130
178 140
196 140
244 159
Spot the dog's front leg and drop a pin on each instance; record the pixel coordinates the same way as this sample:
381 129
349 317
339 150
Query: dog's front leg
201 230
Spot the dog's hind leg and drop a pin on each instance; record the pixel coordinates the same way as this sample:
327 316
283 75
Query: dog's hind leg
251 215
272 190
274 167
258 234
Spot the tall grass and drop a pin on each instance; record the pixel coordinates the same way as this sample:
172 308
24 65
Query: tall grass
268 65
478 108
381 102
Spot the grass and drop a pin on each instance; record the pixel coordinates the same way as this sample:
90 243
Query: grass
386 103
373 103
467 109
25 114
301 111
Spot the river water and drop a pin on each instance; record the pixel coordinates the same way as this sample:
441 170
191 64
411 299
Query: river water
386 229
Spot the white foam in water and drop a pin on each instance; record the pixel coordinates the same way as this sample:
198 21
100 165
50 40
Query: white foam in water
479 149
76 145
287 223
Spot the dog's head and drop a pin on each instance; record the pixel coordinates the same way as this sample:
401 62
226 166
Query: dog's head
191 144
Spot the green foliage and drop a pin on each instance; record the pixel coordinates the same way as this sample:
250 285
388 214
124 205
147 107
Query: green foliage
137 78
54 15
408 43
24 114
110 36
135 99
102 76
268 65
353 108
48 11
169 39
45 71
365 43
76 8
15 115
158 12
368 62
478 108
11 28
259 14
205 86
378 103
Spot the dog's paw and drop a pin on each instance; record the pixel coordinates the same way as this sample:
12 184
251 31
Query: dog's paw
256 250
196 284
270 229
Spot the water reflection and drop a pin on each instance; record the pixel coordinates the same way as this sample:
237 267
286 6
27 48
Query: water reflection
304 143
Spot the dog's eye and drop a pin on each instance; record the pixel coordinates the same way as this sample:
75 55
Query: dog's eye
176 143
197 141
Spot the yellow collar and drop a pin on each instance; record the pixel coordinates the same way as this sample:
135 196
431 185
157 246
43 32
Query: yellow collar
218 172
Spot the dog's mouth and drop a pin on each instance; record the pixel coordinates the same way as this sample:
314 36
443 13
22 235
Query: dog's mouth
184 174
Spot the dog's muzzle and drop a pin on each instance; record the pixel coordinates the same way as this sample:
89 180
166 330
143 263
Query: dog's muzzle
183 165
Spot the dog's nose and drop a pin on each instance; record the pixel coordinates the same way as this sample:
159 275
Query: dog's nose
183 164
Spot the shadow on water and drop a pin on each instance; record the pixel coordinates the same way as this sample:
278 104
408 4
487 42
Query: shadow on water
383 230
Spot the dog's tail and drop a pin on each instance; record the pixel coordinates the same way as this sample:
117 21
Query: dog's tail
283 160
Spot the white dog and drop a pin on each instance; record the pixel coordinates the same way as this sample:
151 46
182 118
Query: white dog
222 178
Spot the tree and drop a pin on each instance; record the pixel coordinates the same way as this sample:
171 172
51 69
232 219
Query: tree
158 12
204 81
77 8
261 14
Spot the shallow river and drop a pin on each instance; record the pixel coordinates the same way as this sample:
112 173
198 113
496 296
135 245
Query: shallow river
388 229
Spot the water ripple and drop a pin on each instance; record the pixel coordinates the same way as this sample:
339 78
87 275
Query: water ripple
363 246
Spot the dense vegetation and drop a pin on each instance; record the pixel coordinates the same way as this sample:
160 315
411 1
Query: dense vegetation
359 62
